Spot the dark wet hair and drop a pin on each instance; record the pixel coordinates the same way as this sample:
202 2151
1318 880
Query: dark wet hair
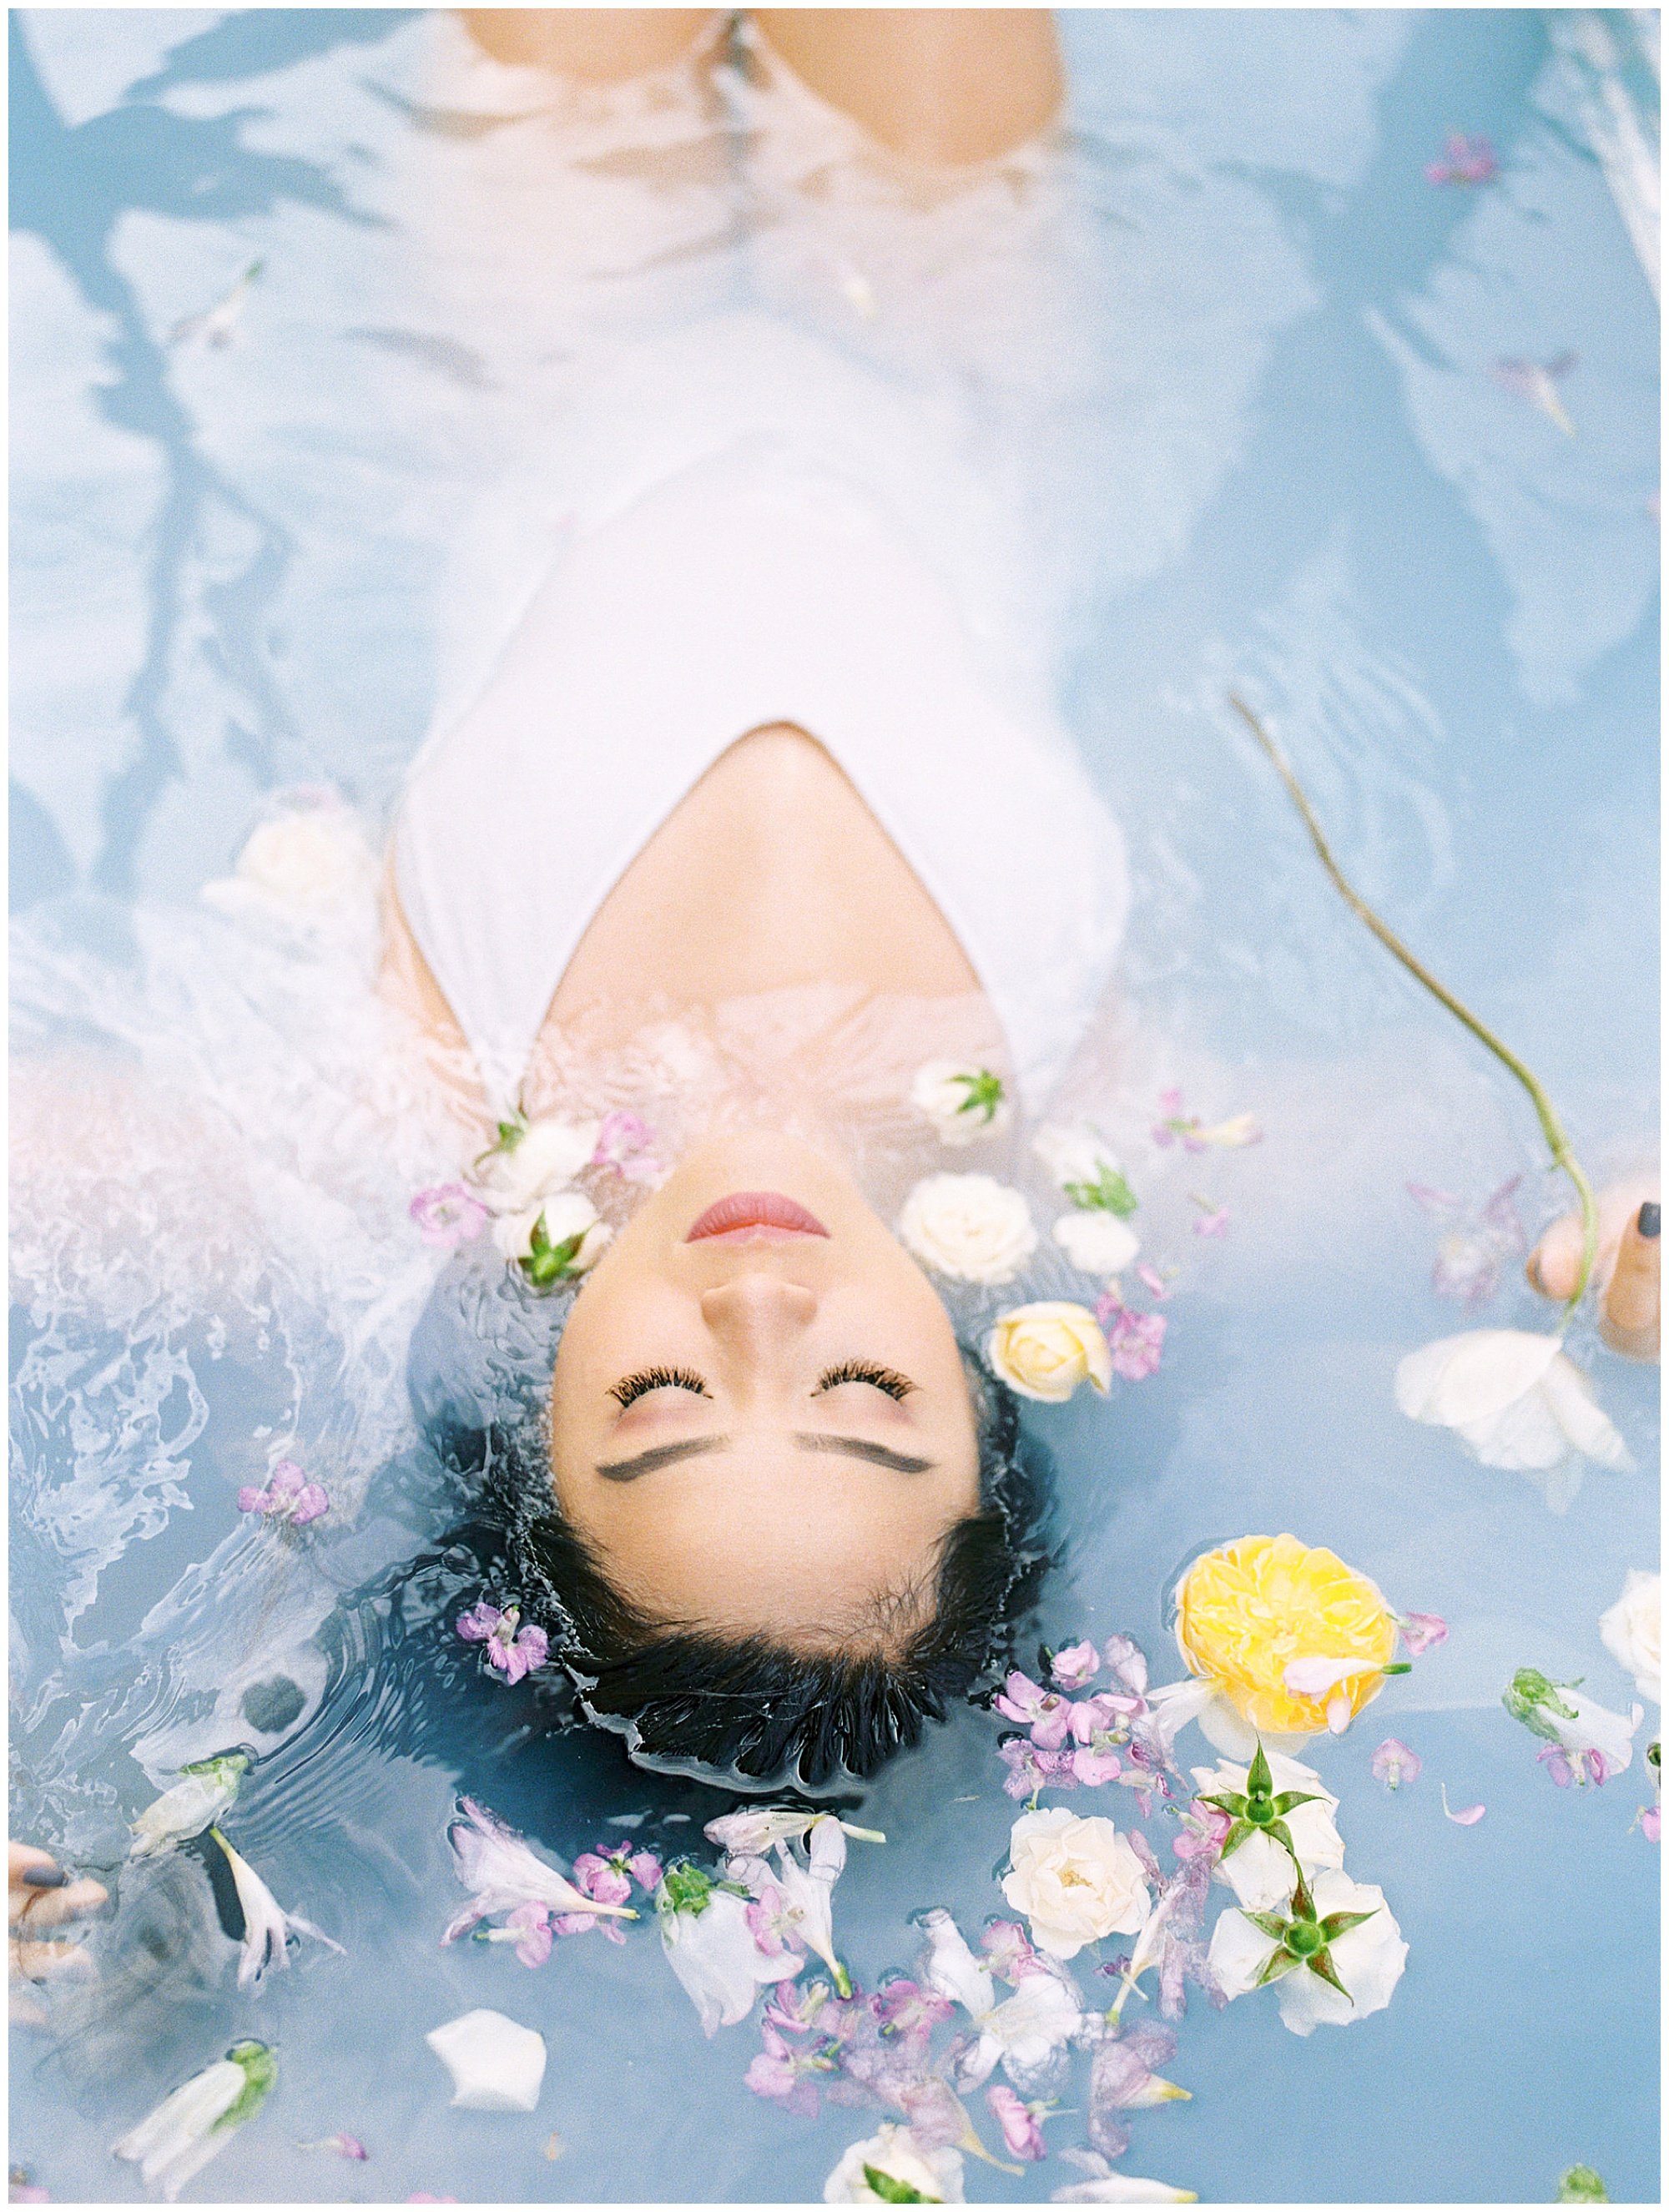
750 1708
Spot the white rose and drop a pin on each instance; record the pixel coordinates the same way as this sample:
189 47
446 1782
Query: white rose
1368 1959
316 858
1258 1870
969 1227
1077 1154
1512 1397
934 2175
1097 1242
1046 1350
1633 1632
1075 1880
549 1154
964 1103
570 1213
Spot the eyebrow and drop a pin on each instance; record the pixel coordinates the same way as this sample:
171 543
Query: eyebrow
648 1462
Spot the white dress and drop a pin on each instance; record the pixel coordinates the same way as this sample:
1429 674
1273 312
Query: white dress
769 578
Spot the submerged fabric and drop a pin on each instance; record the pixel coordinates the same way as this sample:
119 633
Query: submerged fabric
760 583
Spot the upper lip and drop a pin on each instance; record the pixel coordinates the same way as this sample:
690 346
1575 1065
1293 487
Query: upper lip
751 1214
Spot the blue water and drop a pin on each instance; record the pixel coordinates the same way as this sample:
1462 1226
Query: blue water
1276 459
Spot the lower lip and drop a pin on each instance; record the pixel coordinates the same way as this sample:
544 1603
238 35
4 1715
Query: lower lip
747 1215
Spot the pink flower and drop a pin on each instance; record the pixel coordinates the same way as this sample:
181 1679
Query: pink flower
1019 2121
1475 1243
1469 1816
1581 1766
1048 1717
1155 1281
1093 1764
289 1497
1464 162
1393 1763
1651 1823
904 2009
773 1923
1174 1125
446 1213
1210 1221
1422 1631
602 1878
1076 1666
1009 1952
515 1652
1137 1342
533 1924
1031 1769
623 1143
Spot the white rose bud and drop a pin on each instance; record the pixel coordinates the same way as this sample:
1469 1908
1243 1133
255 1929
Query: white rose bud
969 1227
1046 1350
1097 1243
963 1103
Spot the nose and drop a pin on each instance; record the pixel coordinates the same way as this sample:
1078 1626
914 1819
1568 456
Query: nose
751 1313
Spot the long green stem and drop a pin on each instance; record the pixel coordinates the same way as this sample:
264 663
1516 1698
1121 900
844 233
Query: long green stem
1557 1143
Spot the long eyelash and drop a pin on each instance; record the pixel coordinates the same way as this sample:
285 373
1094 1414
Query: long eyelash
866 1370
657 1378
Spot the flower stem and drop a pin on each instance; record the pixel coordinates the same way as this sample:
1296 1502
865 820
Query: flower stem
1557 1143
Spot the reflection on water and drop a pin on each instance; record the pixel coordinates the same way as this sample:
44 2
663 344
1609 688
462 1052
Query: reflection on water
1224 363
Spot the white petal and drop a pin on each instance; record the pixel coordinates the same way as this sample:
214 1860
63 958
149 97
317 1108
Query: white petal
951 1968
1238 1953
1041 2016
1472 1376
1569 1396
495 2064
183 2118
1224 1729
1370 1961
1123 2189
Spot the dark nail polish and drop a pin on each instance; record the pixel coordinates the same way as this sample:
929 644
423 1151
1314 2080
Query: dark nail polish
1651 1218
46 1877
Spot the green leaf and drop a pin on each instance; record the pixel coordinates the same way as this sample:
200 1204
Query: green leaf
1289 1798
1336 1923
1260 1783
895 2192
1397 1667
1320 1962
1276 1964
1236 1836
1268 1923
1581 2184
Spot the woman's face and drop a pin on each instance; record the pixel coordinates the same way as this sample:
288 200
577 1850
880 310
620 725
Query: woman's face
760 1417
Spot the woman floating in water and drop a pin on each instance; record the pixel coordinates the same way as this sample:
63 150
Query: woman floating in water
756 815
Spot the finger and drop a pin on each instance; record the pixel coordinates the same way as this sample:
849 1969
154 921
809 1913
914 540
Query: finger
24 1861
42 1962
51 1908
1630 1317
1553 1266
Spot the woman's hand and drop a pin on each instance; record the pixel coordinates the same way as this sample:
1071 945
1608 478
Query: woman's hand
39 1898
1626 1268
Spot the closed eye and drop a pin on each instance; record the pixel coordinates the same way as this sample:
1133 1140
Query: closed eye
630 1388
866 1370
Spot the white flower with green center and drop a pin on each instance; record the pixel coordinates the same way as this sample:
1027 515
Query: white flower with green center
203 1792
1258 1867
964 1103
554 1242
1085 1169
1335 1954
890 2167
188 2127
1599 1741
533 1160
710 1945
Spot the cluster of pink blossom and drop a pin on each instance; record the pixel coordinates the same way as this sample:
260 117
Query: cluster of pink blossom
1114 1734
1136 1338
607 1876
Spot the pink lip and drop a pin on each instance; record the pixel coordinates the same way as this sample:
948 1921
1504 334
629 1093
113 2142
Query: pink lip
747 1215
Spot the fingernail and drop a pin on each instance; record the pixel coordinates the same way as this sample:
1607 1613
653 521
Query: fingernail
46 1877
1650 1223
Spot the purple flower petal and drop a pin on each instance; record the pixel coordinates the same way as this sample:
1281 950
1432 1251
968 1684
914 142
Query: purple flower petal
1394 1763
1423 1632
476 1626
250 1500
1468 1817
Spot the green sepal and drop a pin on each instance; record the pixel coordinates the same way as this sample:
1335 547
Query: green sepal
259 2064
226 1767
895 2192
1290 1798
984 1092
1236 1836
1234 1807
1279 1833
1260 1783
1581 2184
1337 1924
1108 1193
1278 1962
1303 1905
1268 1923
546 1263
685 1887
1320 1962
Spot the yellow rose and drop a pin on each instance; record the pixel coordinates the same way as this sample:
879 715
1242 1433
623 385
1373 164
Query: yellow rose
1262 1618
1046 1351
